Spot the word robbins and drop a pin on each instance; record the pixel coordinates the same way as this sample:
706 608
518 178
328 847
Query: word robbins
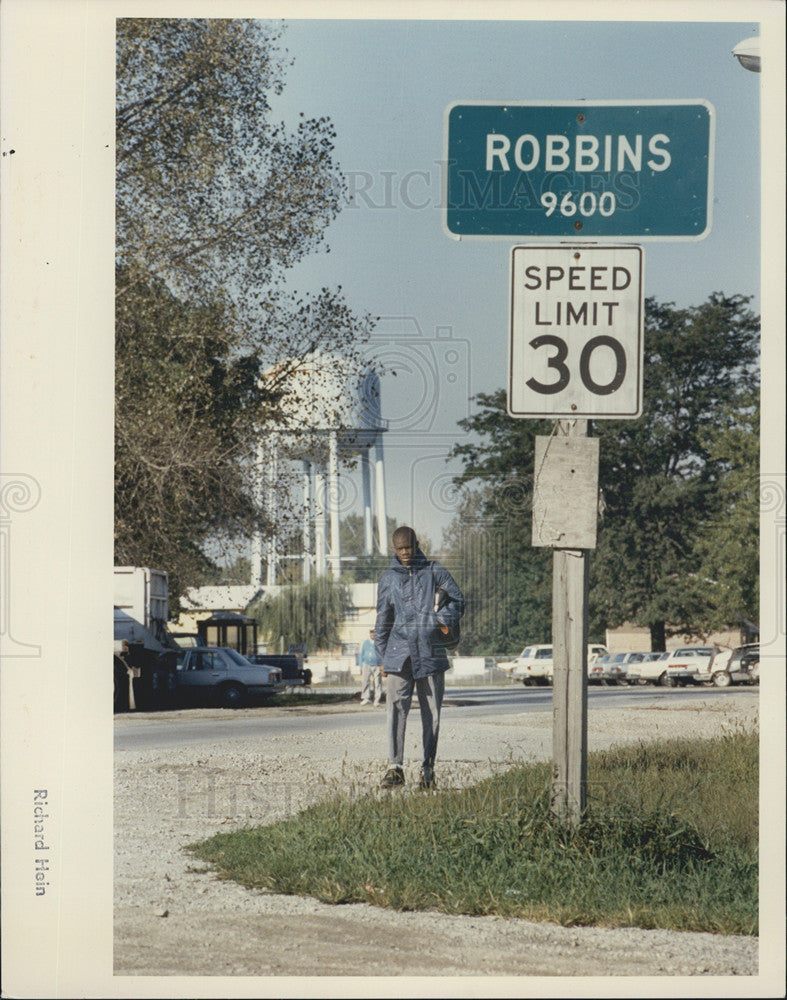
590 152
41 863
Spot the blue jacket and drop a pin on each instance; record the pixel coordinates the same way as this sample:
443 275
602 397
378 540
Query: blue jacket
368 655
407 625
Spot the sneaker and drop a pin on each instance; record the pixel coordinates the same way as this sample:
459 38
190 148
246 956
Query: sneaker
393 778
365 701
426 780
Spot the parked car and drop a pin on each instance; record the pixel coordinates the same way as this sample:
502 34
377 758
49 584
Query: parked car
535 664
293 673
616 666
683 664
634 674
597 657
221 675
596 668
732 666
676 666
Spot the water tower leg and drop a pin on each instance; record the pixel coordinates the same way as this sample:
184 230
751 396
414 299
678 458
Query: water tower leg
259 500
333 498
382 515
319 519
307 514
366 480
256 560
273 543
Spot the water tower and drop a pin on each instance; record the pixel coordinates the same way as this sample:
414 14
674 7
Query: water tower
329 411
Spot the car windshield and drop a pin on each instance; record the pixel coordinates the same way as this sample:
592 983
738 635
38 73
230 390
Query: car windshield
235 656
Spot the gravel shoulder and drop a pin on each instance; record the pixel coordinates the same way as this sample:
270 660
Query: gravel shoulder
173 917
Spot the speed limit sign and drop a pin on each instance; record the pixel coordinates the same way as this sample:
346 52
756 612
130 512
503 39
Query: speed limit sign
576 332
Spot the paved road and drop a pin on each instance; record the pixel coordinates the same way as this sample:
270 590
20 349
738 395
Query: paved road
170 729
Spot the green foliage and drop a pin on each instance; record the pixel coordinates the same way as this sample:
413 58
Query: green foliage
727 551
307 613
659 475
214 201
506 582
657 848
183 396
666 481
211 193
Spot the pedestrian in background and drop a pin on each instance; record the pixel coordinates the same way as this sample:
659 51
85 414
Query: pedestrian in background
371 673
418 609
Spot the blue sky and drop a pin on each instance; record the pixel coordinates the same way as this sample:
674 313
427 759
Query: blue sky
386 86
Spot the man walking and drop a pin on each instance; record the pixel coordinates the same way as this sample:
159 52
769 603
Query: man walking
371 674
418 610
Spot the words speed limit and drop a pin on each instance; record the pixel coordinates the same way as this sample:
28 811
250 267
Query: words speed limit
576 332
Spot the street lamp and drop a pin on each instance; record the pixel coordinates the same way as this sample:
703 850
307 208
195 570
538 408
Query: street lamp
747 53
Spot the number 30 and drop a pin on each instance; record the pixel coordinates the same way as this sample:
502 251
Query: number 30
557 361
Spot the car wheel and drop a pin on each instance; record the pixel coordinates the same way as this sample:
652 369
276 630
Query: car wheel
722 679
666 681
526 682
232 696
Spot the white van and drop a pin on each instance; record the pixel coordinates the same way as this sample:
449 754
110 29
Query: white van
533 665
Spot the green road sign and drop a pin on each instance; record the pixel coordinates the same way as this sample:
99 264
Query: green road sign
602 170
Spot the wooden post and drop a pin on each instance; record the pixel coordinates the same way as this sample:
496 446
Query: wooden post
569 691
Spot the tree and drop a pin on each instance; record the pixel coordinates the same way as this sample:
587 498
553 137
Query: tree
214 202
506 582
659 474
307 613
183 404
727 551
212 194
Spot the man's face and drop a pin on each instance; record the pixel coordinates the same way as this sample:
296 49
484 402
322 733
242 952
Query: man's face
405 550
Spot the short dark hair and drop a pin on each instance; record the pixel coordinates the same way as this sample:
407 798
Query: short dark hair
404 534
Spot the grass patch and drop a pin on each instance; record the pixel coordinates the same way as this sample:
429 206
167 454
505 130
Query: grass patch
670 841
